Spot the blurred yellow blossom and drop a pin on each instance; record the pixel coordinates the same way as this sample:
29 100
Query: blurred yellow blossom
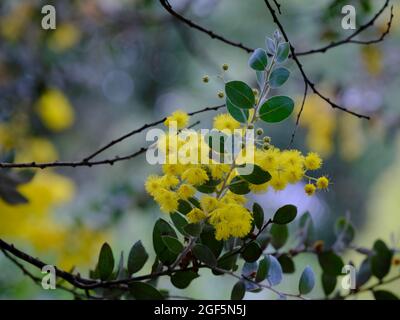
64 37
55 110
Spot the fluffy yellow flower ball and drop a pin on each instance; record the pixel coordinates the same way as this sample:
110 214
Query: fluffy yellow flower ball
180 117
225 122
312 161
310 189
322 183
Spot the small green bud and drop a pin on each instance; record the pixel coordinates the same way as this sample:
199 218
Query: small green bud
221 94
255 92
266 146
250 126
206 79
225 67
267 139
260 131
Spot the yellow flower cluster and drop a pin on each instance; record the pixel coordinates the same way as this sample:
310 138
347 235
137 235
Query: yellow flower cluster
209 180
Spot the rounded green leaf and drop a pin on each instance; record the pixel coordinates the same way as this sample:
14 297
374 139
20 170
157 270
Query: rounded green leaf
307 281
287 263
381 259
257 176
328 283
330 263
208 239
182 279
240 115
179 222
384 295
258 215
144 291
279 235
282 52
276 109
278 77
252 252
240 94
262 270
193 229
162 228
204 254
239 186
105 265
137 258
364 273
258 60
238 291
285 214
275 274
173 244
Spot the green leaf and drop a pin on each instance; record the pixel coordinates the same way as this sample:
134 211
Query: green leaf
282 52
216 140
381 259
257 176
105 265
307 281
252 252
345 230
240 94
276 109
258 215
364 273
182 279
226 262
274 271
193 229
270 45
239 186
262 271
285 214
238 291
384 295
330 263
328 283
137 257
162 228
258 60
144 291
207 238
179 222
307 229
184 207
278 77
205 255
287 263
240 115
279 235
173 244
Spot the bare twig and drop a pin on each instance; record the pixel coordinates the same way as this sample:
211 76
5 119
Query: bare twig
88 162
301 69
350 38
299 114
167 6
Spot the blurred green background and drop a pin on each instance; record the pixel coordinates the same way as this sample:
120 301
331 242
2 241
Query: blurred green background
111 66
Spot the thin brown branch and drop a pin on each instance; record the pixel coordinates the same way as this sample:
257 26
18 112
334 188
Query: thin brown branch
301 69
350 38
299 114
167 6
88 162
